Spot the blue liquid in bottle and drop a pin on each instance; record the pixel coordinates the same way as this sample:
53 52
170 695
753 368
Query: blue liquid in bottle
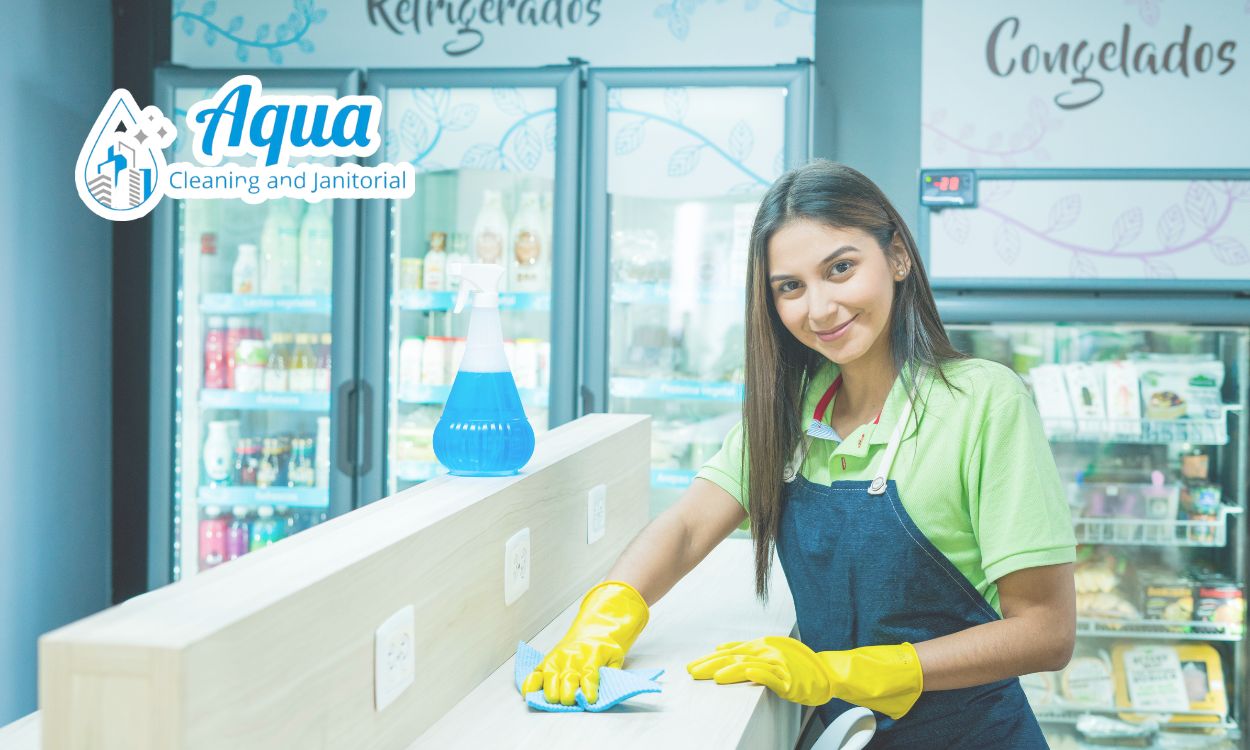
483 431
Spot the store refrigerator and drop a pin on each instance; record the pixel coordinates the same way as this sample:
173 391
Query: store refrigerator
496 154
253 356
1141 385
677 163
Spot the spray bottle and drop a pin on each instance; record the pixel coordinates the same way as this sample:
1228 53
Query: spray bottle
483 431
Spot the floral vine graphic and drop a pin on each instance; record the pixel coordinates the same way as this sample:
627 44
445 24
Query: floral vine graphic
998 148
433 115
685 159
1206 207
1147 9
677 13
292 32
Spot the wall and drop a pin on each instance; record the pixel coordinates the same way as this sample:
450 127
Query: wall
55 283
867 103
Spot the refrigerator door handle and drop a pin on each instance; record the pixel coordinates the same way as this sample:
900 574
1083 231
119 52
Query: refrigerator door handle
364 398
345 456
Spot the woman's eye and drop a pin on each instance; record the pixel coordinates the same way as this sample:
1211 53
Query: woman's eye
786 287
842 266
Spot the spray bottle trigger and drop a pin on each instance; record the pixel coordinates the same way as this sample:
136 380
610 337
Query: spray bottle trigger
456 269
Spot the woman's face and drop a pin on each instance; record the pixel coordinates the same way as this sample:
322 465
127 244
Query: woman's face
833 288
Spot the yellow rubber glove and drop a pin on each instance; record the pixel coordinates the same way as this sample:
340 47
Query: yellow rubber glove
611 617
883 678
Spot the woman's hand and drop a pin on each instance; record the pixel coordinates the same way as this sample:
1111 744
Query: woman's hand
884 678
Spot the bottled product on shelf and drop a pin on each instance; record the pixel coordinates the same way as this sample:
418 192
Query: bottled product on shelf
301 370
457 255
301 471
245 276
322 371
212 547
247 454
215 353
530 249
279 247
237 534
316 249
321 452
251 360
410 366
238 329
490 232
218 456
434 276
270 468
277 368
266 529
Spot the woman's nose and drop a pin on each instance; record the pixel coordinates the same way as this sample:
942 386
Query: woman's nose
822 304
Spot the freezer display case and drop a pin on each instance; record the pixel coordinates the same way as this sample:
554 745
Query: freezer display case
678 162
1148 427
253 366
496 155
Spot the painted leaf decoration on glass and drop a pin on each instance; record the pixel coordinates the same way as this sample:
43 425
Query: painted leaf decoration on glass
1230 251
628 138
741 141
1064 212
956 226
1127 227
1007 243
683 161
1157 269
1082 267
527 148
509 101
676 102
1200 205
1171 225
481 156
461 117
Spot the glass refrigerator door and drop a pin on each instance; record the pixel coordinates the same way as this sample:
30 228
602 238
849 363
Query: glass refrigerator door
1147 425
685 168
256 361
489 155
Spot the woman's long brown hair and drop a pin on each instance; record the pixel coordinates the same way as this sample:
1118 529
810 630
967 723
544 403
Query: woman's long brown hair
779 367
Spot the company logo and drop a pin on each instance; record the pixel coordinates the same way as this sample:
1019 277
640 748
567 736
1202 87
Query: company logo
247 146
121 164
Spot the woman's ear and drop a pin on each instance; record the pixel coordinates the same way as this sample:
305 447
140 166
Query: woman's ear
900 259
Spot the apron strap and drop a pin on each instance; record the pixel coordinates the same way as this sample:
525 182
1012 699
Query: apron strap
887 461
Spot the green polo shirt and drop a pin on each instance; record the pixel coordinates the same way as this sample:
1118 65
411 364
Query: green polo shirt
975 474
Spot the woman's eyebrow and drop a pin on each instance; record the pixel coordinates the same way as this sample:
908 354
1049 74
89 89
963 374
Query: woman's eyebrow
828 259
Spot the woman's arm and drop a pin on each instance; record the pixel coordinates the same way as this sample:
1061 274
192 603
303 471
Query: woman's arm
677 540
1036 634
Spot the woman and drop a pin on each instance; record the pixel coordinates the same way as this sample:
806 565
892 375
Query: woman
908 491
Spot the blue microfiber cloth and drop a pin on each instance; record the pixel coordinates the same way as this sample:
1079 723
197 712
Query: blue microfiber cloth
615 685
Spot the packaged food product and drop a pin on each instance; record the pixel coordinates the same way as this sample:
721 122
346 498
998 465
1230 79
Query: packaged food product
1181 677
1098 572
1195 465
1050 391
1087 395
411 365
434 354
1169 601
1123 398
1087 681
1220 602
1106 605
1039 688
1172 390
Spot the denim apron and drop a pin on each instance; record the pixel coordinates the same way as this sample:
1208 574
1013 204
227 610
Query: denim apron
862 574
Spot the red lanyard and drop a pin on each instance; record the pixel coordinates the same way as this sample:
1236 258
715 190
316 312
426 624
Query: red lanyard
823 404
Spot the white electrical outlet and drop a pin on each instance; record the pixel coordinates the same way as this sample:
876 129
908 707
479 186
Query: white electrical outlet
596 513
394 660
516 566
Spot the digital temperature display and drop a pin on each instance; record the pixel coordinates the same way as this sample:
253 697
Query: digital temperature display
942 188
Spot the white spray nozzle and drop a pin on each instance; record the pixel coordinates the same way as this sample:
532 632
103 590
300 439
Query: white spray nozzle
480 278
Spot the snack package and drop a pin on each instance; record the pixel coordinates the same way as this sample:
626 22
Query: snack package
1086 681
1123 398
1176 390
1050 391
1086 393
1220 602
1181 677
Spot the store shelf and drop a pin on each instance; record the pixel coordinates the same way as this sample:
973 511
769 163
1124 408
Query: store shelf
293 497
660 294
1158 630
671 479
422 300
251 304
418 471
1070 714
1146 431
437 394
1148 533
675 390
263 401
